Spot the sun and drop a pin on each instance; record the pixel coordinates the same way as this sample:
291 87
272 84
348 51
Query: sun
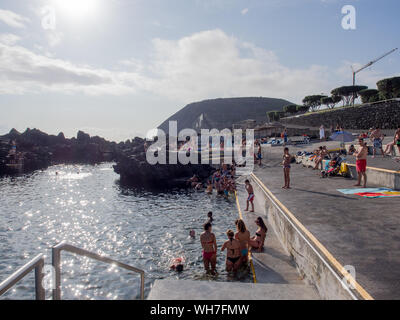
77 8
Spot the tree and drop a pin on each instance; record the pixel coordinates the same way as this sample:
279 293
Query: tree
313 102
389 88
347 93
369 95
279 114
291 108
330 102
272 116
302 108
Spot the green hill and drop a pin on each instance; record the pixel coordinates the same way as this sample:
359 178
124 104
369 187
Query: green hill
223 113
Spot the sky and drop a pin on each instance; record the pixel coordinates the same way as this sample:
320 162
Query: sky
119 68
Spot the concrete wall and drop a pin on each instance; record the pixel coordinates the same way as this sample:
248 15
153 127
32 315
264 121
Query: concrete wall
386 115
310 266
379 178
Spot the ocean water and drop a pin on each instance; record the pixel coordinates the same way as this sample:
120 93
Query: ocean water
86 206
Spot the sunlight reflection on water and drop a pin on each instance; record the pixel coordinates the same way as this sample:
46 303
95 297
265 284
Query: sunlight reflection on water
89 209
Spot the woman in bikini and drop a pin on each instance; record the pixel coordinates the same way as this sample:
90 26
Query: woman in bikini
243 235
257 242
209 245
233 252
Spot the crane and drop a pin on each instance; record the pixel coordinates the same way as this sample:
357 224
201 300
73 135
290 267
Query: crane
368 65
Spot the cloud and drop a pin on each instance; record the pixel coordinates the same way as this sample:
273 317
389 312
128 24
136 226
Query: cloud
13 19
207 64
22 71
244 11
212 64
9 38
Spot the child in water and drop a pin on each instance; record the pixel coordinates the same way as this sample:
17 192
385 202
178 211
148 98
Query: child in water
209 189
286 167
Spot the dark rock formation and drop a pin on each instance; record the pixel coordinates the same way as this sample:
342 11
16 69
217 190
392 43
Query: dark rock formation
38 150
134 170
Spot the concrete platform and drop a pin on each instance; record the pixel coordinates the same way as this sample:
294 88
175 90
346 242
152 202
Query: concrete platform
357 231
209 290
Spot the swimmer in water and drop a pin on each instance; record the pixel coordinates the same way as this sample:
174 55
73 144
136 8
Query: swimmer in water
192 233
209 189
233 254
210 217
177 264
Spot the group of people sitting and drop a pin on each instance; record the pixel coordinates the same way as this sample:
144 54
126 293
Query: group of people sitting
320 154
376 136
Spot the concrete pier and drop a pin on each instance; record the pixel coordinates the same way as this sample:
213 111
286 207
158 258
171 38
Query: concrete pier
356 231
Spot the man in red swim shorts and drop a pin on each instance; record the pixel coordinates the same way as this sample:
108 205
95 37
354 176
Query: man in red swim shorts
361 162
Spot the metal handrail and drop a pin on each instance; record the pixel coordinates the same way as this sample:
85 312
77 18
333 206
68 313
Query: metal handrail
63 246
36 263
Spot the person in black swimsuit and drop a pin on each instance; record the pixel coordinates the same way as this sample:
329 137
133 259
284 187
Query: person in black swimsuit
233 254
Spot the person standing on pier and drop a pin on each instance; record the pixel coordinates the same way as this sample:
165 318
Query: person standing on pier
209 244
361 162
322 133
250 198
287 158
377 137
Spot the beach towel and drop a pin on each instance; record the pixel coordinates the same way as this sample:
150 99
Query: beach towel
363 190
372 193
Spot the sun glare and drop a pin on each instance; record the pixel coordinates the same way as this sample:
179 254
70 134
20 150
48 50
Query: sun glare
77 8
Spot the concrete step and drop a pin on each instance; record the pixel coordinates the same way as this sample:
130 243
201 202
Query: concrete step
212 290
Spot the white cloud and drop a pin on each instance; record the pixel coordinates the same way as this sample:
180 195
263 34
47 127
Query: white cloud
23 71
212 64
9 38
204 65
244 11
13 19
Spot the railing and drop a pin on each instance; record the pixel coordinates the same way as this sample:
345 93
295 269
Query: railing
63 246
36 263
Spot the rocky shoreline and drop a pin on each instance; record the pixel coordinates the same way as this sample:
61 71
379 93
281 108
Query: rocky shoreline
35 150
